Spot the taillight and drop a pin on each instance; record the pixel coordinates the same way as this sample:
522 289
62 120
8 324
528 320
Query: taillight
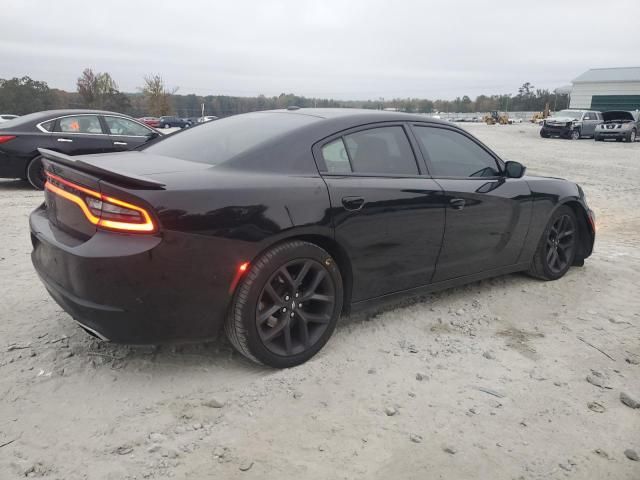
6 138
102 210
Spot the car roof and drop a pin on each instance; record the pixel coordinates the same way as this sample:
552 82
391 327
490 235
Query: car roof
360 114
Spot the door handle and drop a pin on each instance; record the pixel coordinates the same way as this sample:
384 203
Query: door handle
68 140
120 143
457 203
352 203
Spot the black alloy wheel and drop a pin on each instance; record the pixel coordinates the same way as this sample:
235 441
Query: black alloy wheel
287 305
295 307
557 248
560 244
35 173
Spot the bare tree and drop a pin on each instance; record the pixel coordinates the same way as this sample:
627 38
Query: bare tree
97 89
157 94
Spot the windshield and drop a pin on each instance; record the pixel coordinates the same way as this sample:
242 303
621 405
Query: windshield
217 142
569 114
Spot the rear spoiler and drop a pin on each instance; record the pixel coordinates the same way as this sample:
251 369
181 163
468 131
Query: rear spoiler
127 179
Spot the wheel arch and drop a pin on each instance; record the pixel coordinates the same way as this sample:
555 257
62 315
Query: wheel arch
586 235
334 249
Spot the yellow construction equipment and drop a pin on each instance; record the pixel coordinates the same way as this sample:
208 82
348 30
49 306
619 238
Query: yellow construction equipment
541 115
496 117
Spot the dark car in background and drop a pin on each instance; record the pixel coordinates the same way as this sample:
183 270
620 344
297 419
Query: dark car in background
72 132
272 224
573 124
171 121
619 125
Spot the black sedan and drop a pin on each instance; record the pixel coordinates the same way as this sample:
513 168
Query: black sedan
72 132
171 122
273 224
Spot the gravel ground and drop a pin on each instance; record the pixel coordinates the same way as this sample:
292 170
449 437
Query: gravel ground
500 379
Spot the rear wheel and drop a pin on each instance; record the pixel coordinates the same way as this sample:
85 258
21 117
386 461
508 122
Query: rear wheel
166 125
557 248
35 173
287 305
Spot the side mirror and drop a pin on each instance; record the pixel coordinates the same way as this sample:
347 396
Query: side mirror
514 169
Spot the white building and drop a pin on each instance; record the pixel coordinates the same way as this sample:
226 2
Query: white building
607 89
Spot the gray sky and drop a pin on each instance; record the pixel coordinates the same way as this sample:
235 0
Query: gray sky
349 49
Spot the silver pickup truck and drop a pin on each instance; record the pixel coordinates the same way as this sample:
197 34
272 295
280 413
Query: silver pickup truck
572 124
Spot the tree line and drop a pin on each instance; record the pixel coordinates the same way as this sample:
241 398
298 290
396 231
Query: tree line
100 91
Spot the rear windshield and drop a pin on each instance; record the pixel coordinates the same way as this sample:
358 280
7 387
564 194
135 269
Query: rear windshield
217 142
16 122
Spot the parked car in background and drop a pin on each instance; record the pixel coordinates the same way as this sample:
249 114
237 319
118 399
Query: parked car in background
297 217
573 124
72 132
5 117
207 118
620 125
171 121
153 122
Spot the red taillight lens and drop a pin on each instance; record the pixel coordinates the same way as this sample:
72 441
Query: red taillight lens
6 138
102 210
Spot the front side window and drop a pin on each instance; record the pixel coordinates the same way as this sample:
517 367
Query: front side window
80 124
452 154
124 126
378 151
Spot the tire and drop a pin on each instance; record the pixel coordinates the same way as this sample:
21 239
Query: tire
631 137
35 173
166 125
575 134
544 134
271 311
543 265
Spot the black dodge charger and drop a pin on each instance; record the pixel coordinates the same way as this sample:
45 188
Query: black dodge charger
273 224
73 132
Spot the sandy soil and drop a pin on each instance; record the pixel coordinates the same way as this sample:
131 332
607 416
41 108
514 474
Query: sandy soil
484 381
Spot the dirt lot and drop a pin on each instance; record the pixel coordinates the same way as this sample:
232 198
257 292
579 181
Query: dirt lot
484 381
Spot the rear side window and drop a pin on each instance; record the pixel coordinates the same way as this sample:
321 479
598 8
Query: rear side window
79 124
48 126
452 154
124 126
379 151
219 141
336 157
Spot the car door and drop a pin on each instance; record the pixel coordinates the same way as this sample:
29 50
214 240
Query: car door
386 213
589 122
79 135
487 214
125 133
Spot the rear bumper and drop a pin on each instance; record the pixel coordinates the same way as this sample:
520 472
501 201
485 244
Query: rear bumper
133 289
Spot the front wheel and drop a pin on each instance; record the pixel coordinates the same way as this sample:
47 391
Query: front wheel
286 306
557 248
631 137
166 125
575 134
544 134
35 173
